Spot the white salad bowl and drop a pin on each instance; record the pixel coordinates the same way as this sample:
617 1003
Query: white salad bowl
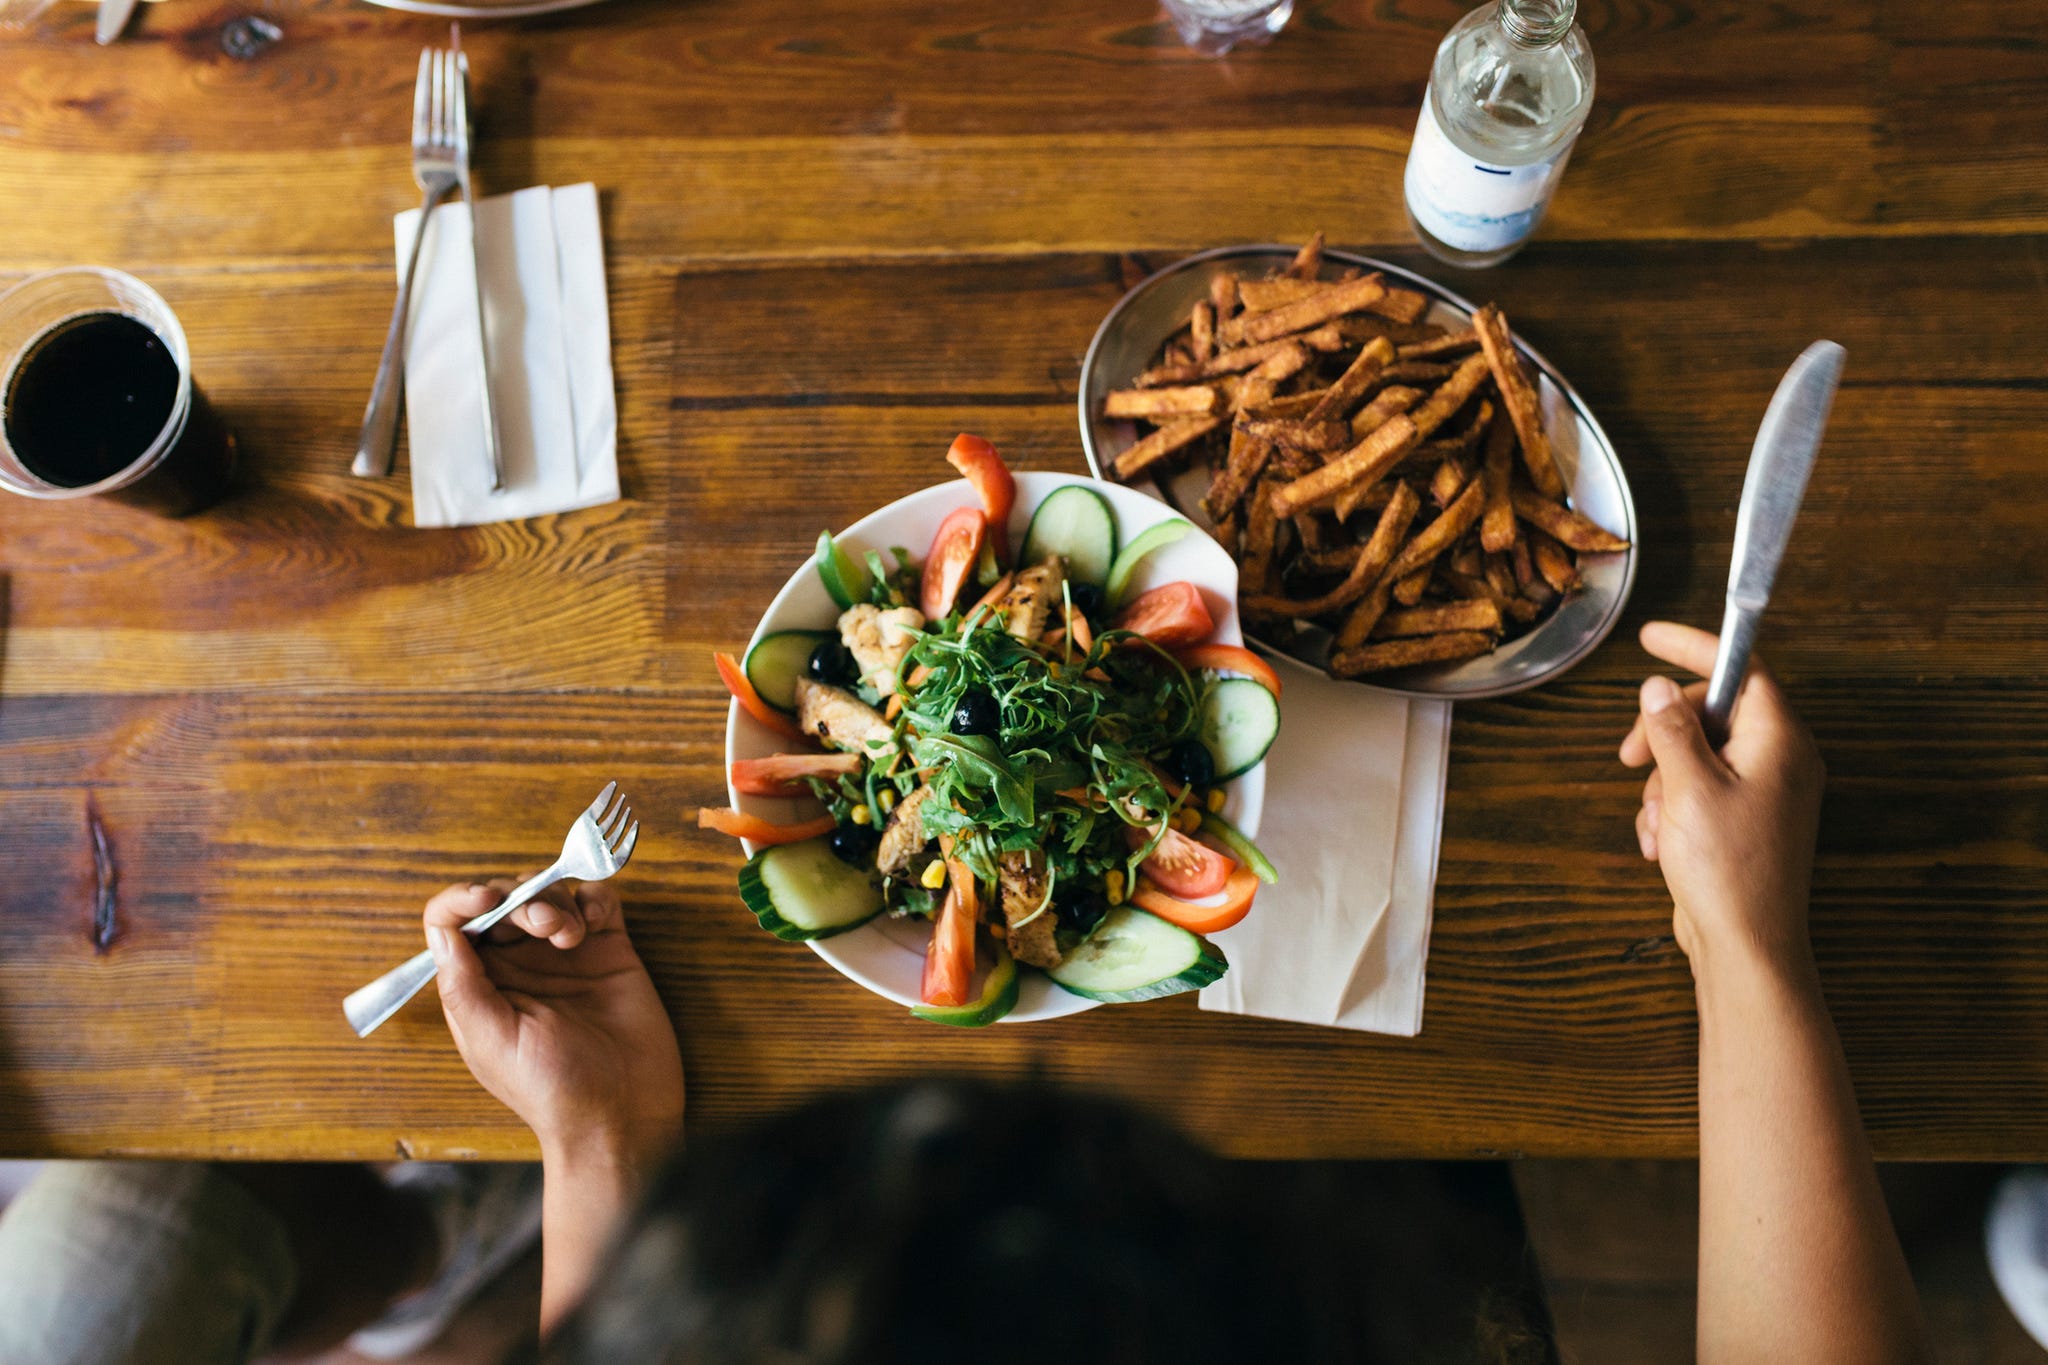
886 955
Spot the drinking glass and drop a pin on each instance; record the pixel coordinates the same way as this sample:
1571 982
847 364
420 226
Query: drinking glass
1213 27
92 406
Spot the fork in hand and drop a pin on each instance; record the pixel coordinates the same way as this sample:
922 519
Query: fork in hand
438 138
598 845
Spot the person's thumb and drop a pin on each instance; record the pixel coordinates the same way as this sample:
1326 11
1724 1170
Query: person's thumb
477 1014
1676 740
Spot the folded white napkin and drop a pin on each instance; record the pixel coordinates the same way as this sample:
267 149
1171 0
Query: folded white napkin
1353 818
542 256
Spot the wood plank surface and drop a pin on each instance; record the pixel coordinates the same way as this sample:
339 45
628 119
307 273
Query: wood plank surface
838 233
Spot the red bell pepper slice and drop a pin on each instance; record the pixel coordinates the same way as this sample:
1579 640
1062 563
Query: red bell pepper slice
754 829
783 774
735 679
1231 659
984 468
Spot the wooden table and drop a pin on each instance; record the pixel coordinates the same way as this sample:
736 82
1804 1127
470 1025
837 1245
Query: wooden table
840 233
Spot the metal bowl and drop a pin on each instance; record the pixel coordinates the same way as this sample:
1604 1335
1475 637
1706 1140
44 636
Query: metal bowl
1138 327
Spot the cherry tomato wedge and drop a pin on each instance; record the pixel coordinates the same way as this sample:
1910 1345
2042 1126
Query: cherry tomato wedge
783 774
735 679
1172 616
951 561
1201 918
949 962
984 468
1231 659
754 829
1181 867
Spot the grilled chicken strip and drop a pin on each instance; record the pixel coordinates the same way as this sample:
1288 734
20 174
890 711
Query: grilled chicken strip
842 720
878 640
1032 598
904 835
1024 883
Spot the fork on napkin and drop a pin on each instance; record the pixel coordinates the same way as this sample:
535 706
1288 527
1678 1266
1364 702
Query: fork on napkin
540 263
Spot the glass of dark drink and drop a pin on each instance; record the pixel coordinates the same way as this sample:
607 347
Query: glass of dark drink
97 398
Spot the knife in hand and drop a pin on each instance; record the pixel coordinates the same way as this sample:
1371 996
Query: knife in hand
113 18
1779 464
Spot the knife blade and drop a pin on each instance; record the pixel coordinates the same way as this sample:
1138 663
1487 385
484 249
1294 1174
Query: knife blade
1780 463
483 325
114 16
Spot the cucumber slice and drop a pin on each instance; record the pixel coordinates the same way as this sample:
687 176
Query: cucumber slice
1136 956
801 891
1240 720
1241 848
776 661
998 998
1075 522
1152 538
843 576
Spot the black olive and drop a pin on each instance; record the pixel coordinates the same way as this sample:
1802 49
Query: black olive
855 844
1084 912
1191 762
1087 599
832 662
976 713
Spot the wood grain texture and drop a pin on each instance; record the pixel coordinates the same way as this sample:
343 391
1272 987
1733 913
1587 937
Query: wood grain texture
839 233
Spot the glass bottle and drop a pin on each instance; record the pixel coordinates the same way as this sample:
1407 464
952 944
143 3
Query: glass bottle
1509 90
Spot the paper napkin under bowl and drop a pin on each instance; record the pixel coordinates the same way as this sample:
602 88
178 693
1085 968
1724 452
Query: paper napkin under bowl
542 256
1353 819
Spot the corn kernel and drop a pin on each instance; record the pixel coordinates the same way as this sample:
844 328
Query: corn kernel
1187 820
934 875
861 815
886 799
1113 886
1214 801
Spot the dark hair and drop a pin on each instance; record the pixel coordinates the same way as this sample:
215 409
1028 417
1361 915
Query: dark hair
960 1222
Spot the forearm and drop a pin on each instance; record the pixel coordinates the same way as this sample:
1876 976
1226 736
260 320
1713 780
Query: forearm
586 1195
1798 1260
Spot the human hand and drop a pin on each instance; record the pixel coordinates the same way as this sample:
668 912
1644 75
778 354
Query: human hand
1734 831
556 1016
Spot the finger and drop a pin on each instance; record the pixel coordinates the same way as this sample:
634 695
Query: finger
1646 833
553 915
460 904
1686 647
603 912
1635 746
1763 729
478 1016
1676 740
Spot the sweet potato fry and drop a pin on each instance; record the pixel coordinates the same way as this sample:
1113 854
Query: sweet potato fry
1389 402
1418 372
1519 399
1360 328
1563 524
1429 649
1433 539
1317 437
1365 571
1238 360
1293 408
1553 564
1360 375
1223 295
1263 296
1163 444
1229 528
1497 526
1202 330
1408 591
1524 565
1363 463
1308 262
1158 403
1402 305
1241 469
1261 533
1328 303
1449 344
1449 480
1472 614
1439 407
1362 619
1500 572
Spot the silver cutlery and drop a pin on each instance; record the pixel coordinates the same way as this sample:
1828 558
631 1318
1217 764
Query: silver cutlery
114 16
598 845
1779 464
438 164
483 328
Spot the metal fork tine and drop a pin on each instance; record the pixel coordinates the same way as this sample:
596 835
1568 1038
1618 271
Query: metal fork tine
447 137
616 821
612 814
625 847
460 80
603 799
422 101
